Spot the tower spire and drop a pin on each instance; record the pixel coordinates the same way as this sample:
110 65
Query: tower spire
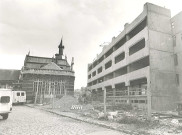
61 47
60 54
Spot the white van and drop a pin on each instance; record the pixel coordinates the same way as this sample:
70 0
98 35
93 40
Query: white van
19 97
5 102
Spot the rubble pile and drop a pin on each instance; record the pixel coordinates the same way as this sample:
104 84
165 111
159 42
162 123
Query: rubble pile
63 104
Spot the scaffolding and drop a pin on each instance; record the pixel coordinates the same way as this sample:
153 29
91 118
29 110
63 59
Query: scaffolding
48 89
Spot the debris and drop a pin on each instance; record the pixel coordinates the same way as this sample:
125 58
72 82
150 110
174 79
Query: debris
156 118
64 104
110 117
175 122
114 114
101 115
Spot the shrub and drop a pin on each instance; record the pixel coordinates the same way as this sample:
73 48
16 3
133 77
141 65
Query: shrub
133 120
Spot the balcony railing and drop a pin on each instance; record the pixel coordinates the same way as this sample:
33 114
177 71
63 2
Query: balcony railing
132 92
138 91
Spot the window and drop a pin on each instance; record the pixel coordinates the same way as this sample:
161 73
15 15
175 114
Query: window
175 59
18 93
135 101
120 43
101 59
120 71
109 52
90 67
95 64
95 82
108 64
100 80
138 28
142 63
108 76
120 57
5 99
136 47
22 94
89 76
94 73
99 70
141 101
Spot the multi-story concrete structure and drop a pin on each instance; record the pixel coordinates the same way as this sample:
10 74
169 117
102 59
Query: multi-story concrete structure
142 65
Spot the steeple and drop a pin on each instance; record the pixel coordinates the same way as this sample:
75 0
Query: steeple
61 47
72 63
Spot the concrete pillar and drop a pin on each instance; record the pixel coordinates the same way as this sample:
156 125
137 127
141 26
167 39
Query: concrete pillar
104 89
114 95
128 90
149 99
128 85
114 74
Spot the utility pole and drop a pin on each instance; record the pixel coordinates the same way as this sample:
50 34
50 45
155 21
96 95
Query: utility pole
52 94
41 95
36 91
149 98
64 86
105 101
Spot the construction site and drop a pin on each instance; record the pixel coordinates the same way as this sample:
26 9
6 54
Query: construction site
134 83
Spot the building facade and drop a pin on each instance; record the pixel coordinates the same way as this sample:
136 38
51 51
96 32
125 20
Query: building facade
142 65
44 77
9 79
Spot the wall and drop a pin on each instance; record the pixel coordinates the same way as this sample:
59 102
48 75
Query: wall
162 72
176 23
28 79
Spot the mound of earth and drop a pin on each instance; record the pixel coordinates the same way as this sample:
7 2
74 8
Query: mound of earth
64 103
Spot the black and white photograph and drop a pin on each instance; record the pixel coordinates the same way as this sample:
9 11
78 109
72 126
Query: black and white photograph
90 67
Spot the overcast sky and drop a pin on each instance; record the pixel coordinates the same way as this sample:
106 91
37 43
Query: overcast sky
38 25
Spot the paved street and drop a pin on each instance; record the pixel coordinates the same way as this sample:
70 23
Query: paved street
29 121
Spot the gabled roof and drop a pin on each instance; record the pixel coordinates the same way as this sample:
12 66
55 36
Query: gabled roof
6 74
51 66
35 62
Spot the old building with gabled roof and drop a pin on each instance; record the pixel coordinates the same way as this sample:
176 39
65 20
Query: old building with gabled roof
44 77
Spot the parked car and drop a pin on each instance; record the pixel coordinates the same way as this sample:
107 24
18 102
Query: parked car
5 102
19 97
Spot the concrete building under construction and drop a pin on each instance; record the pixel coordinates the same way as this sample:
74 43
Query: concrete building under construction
44 77
143 64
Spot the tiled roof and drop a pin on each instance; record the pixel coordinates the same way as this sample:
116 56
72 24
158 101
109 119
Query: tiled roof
51 66
6 74
35 62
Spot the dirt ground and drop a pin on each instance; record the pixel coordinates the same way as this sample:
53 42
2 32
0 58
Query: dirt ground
127 118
